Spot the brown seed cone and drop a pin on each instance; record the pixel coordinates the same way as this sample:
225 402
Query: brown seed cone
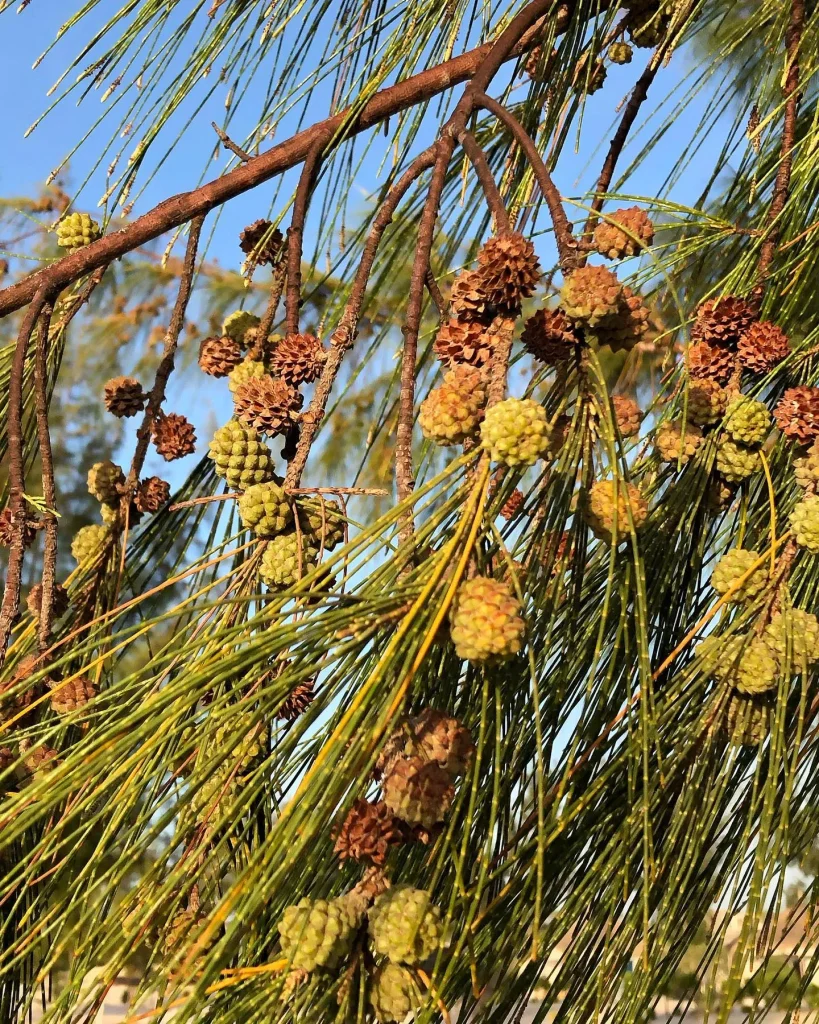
300 699
7 758
468 299
722 320
174 436
10 706
622 331
797 414
550 336
417 791
534 66
261 250
123 396
368 832
7 530
464 341
509 269
762 346
627 415
628 232
67 697
430 735
59 600
713 361
267 404
298 359
218 356
513 504
152 493
38 758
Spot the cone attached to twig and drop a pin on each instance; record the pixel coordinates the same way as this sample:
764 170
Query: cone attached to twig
797 414
261 242
723 321
7 530
174 436
298 701
219 355
627 233
714 362
464 341
368 832
298 359
468 299
551 337
267 404
59 600
152 493
509 270
123 396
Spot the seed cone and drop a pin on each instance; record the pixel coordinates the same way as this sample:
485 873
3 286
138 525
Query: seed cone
468 299
762 346
368 832
675 446
551 337
797 414
298 701
104 481
7 530
12 704
793 636
605 501
748 720
417 791
620 53
516 432
485 621
123 396
261 242
174 436
452 412
746 663
706 361
627 415
67 697
237 324
747 420
588 82
509 269
245 371
317 933
77 230
627 233
736 462
804 521
806 470
707 401
322 521
89 542
240 455
731 567
623 330
298 359
647 29
267 404
59 600
39 758
432 736
152 493
464 341
405 926
513 504
280 562
218 356
590 295
723 321
265 509
393 993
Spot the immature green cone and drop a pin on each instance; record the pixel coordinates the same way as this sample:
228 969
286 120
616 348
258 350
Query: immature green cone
405 926
804 522
516 432
241 741
393 993
89 542
747 664
452 412
322 521
242 373
417 791
265 509
104 479
77 230
280 561
620 53
793 636
707 401
485 620
317 933
806 470
731 567
591 294
604 500
675 446
747 420
736 462
240 456
237 324
748 720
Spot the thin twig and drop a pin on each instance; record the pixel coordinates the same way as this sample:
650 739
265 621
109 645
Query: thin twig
295 234
41 401
435 294
228 143
477 158
266 323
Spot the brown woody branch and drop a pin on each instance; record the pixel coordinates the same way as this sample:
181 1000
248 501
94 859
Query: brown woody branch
179 209
477 158
48 578
228 143
295 235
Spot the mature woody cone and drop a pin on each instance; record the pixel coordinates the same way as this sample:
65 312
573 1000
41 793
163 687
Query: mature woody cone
417 791
806 470
550 336
464 341
432 736
298 359
12 705
626 327
762 346
297 702
723 321
509 269
627 415
797 414
218 356
513 504
673 445
536 66
38 758
67 697
174 436
267 404
368 832
261 242
591 295
152 493
7 530
59 600
589 81
452 412
715 362
123 396
626 233
468 300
